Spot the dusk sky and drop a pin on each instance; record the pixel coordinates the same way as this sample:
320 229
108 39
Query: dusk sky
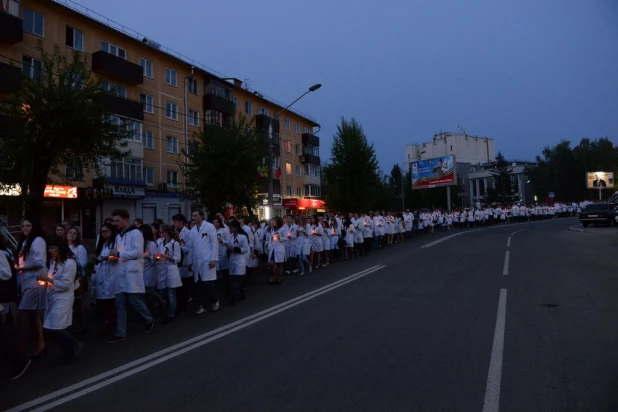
527 73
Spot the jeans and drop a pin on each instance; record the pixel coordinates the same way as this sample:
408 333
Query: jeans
304 264
66 341
150 291
207 293
139 304
170 296
14 357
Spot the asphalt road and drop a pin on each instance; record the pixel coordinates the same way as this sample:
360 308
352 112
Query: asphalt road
444 322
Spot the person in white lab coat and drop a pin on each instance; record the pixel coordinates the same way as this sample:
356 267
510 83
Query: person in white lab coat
61 281
205 254
151 265
366 223
238 249
169 278
291 233
32 258
74 240
104 279
276 250
316 241
129 258
349 237
183 294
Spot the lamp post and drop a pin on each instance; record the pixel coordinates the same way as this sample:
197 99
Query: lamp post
271 179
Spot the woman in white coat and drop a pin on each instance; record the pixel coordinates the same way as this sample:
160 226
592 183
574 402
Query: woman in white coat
326 235
169 277
223 239
61 284
276 251
238 249
105 278
74 240
316 241
151 264
349 238
32 258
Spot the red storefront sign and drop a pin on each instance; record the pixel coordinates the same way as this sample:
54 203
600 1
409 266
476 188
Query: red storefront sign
60 192
301 204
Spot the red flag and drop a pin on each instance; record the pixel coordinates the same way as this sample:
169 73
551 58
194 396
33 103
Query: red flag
278 173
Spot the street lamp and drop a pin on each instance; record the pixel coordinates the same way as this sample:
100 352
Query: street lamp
270 148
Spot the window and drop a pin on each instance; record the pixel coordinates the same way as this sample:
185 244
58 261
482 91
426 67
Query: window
288 146
75 38
312 190
235 100
149 176
288 191
170 77
194 118
296 128
263 111
171 144
147 66
312 170
32 68
126 169
172 178
299 191
213 117
248 108
298 170
171 110
193 87
34 22
114 89
115 50
276 163
131 125
306 130
297 147
148 139
287 124
74 170
288 168
147 101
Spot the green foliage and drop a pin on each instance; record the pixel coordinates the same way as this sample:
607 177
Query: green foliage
223 162
53 120
501 175
352 180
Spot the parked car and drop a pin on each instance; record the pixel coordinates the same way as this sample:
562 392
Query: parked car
598 213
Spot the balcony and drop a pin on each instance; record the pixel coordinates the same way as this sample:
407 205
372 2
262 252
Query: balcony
311 180
219 104
11 26
117 68
122 107
10 78
310 139
310 159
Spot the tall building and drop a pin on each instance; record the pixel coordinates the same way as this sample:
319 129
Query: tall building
164 98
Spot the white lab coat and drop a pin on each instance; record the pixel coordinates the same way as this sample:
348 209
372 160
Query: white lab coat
185 239
33 294
204 248
130 265
60 295
81 257
367 225
223 239
151 265
169 277
105 278
276 247
238 257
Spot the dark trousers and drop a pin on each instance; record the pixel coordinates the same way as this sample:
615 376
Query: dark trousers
235 288
183 293
14 357
207 294
66 341
368 244
358 247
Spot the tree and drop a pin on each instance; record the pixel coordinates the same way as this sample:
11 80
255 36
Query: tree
55 119
223 163
501 175
352 180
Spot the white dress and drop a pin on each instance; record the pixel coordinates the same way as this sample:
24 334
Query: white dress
60 295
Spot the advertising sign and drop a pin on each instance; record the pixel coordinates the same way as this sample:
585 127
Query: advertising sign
436 172
600 180
60 192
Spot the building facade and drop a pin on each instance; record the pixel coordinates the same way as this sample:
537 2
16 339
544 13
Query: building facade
163 97
480 181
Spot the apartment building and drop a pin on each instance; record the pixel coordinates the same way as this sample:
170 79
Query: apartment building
160 95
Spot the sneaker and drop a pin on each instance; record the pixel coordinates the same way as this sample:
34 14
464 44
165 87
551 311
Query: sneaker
287 272
215 307
18 373
301 274
149 327
200 311
116 339
295 271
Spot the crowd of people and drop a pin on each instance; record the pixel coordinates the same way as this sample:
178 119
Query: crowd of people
158 269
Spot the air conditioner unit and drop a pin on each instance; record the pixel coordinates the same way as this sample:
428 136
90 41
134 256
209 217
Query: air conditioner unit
162 186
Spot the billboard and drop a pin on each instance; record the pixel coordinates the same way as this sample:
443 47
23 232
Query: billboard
436 172
60 192
600 180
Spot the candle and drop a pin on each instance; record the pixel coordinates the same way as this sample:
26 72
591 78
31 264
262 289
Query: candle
333 231
276 236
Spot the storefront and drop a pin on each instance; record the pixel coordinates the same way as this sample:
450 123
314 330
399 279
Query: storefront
62 204
163 205
301 206
125 195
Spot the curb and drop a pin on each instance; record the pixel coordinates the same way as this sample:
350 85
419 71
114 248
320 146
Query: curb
576 229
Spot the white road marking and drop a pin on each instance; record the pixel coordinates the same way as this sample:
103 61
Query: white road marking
505 271
494 376
173 351
508 242
517 231
428 245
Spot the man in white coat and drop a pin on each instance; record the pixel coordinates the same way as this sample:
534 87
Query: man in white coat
129 256
204 255
184 293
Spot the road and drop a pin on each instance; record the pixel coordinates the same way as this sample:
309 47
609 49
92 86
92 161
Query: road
441 323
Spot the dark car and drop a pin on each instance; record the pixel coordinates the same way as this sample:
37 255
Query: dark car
598 213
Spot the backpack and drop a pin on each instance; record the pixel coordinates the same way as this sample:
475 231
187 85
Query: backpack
8 288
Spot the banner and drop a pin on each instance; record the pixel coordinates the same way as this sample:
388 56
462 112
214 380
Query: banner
603 180
436 172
